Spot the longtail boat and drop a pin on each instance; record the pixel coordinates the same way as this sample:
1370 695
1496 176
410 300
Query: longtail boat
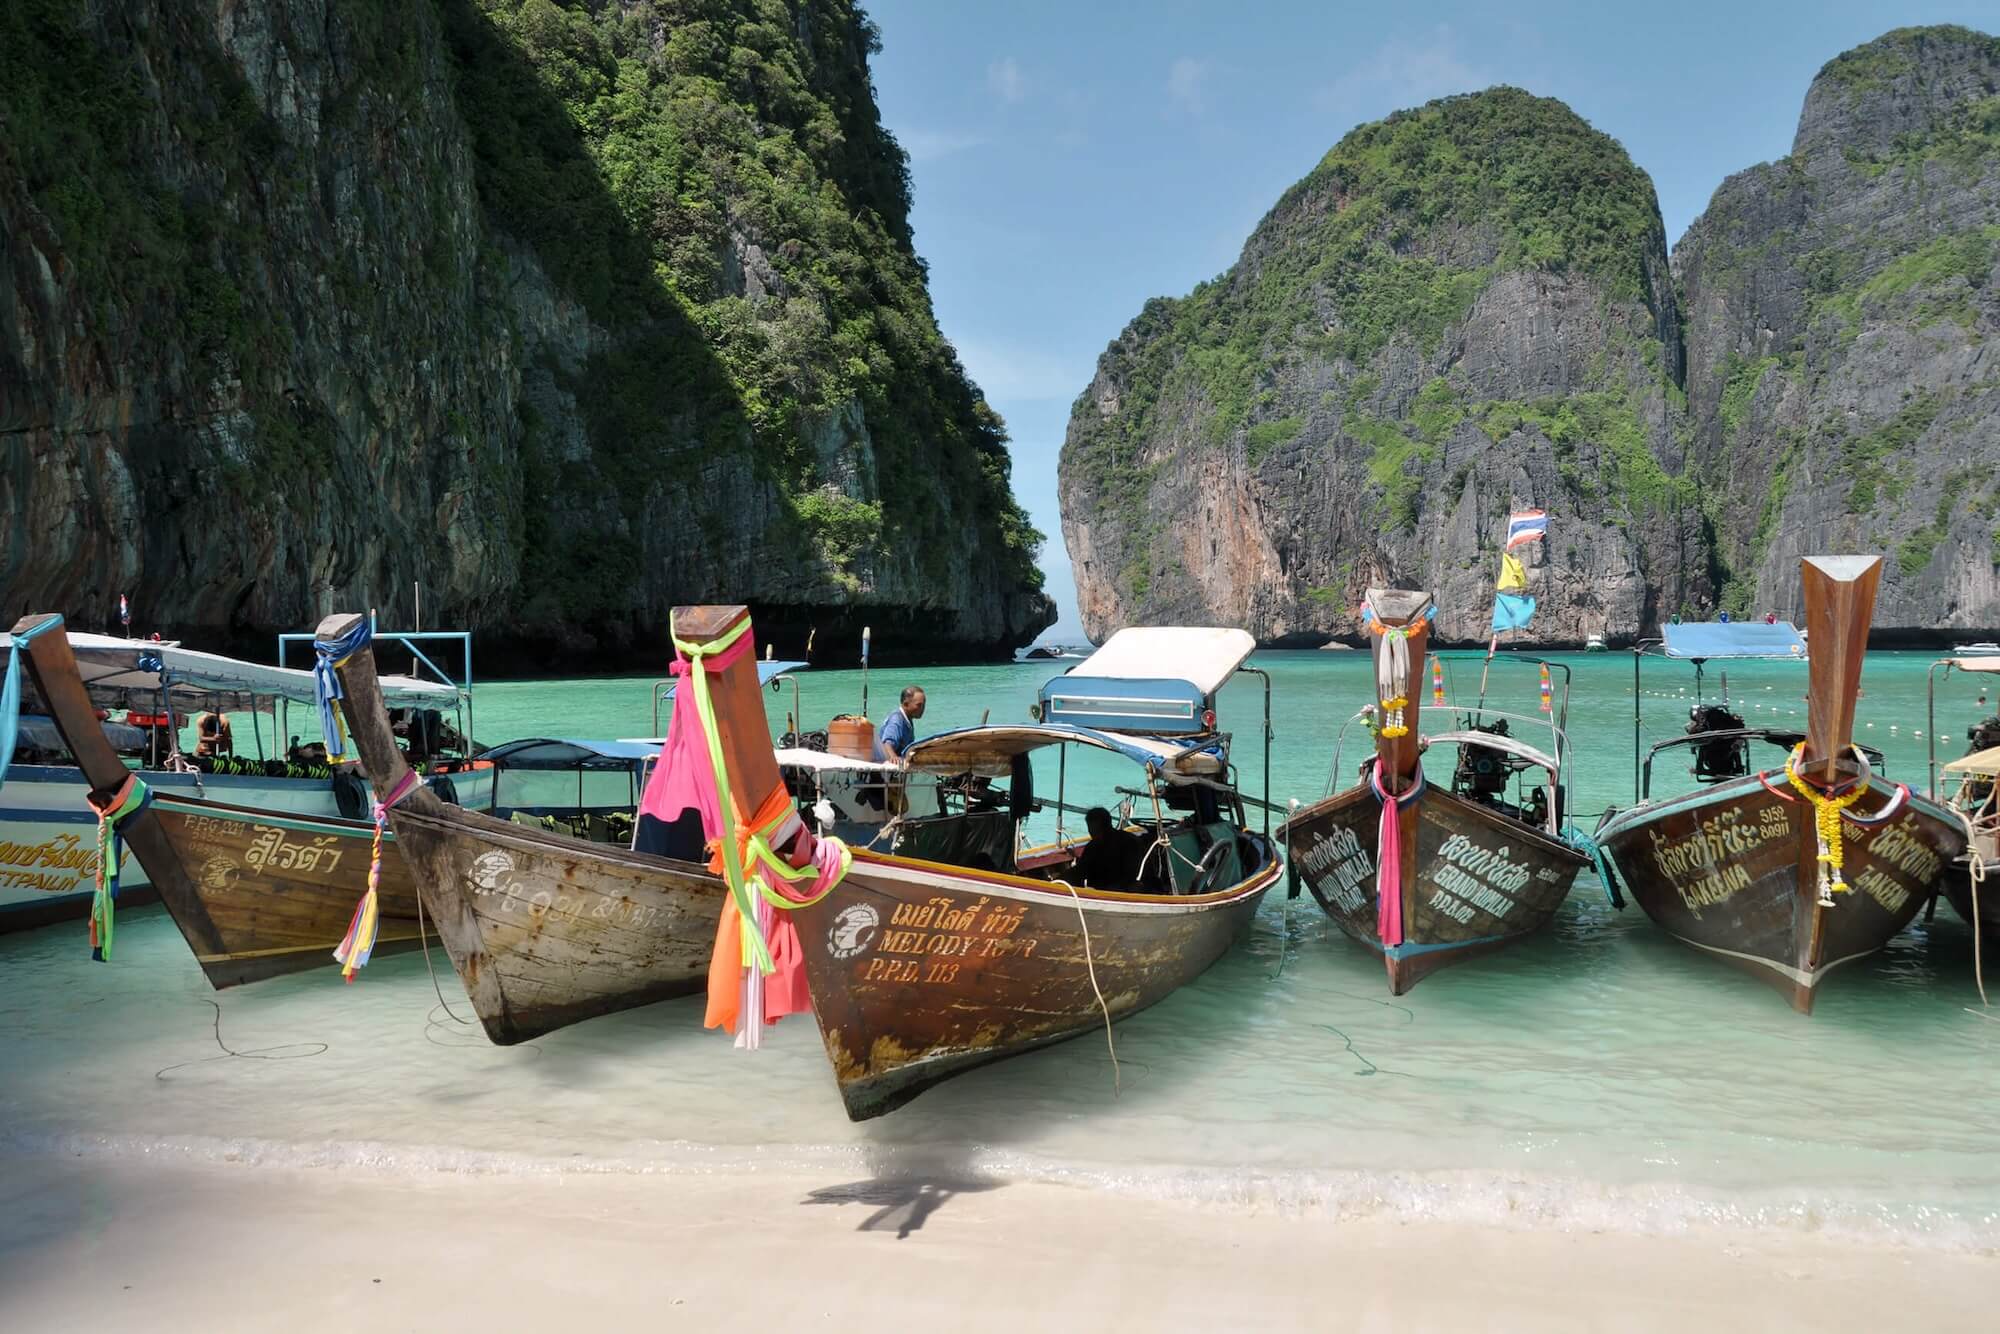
961 948
544 929
1788 873
254 861
1427 876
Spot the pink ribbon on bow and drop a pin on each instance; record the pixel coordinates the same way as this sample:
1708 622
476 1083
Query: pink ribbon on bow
1389 855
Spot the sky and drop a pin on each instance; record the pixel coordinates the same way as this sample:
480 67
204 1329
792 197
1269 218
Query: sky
1072 160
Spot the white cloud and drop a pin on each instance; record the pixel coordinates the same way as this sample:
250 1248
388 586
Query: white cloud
1004 77
930 145
1186 79
1402 74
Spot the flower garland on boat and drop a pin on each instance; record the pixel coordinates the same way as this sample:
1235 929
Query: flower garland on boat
1392 665
1830 807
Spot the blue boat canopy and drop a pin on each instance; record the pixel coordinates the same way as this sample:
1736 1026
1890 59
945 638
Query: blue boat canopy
553 753
1155 680
1733 639
990 751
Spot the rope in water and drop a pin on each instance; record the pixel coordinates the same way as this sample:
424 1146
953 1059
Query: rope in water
114 807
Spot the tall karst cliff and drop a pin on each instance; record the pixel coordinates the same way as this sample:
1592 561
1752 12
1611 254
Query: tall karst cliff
571 312
1468 307
1463 308
1842 307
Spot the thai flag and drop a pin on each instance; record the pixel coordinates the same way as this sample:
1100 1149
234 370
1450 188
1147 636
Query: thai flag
1526 526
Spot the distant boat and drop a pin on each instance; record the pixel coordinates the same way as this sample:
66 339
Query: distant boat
1594 644
1985 648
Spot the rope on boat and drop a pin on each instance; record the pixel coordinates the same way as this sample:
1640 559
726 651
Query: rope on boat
1117 1085
114 806
329 654
424 943
1975 869
358 945
1606 873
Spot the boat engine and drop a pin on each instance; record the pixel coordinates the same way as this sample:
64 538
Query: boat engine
1724 758
1483 771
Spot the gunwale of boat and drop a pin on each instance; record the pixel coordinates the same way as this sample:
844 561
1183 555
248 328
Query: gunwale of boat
457 821
1035 890
1636 817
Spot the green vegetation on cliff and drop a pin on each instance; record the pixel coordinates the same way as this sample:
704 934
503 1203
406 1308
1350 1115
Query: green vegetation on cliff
741 201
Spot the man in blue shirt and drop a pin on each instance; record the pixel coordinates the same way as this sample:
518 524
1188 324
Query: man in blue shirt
892 743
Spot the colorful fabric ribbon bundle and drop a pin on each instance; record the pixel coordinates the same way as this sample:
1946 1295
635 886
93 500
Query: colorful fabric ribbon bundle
757 974
1389 854
329 654
358 945
113 809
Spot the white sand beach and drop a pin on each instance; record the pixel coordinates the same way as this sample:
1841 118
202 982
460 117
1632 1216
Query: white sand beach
109 1243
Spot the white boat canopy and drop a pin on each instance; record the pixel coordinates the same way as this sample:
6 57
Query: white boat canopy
1975 664
122 673
990 751
1204 656
1984 762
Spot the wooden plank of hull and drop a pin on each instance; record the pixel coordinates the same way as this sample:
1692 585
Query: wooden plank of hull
1733 871
544 930
919 972
281 888
1477 880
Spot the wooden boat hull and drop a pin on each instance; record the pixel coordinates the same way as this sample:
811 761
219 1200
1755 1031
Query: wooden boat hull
276 889
545 930
920 971
1475 881
1732 871
1958 889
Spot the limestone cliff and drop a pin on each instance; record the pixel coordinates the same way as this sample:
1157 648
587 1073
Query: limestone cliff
570 312
1842 306
1462 310
1467 307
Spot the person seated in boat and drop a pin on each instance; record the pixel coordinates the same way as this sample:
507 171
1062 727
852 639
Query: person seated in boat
211 735
1112 857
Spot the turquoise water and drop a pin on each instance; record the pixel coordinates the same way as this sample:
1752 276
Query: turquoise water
1597 1076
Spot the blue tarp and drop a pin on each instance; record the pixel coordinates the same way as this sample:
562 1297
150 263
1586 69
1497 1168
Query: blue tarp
1733 639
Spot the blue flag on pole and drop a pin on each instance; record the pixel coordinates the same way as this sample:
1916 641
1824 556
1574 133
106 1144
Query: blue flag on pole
1511 611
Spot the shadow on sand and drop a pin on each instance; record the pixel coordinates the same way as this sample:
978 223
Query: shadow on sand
903 1203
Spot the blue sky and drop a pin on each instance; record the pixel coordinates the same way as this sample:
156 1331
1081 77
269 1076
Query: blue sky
1072 160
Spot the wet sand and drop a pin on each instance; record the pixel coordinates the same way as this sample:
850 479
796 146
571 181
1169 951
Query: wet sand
114 1243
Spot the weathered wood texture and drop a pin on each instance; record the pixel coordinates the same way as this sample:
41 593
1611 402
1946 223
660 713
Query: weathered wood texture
1732 870
1473 879
281 888
920 972
543 930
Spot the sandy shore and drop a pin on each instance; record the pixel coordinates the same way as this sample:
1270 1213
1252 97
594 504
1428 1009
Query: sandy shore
115 1244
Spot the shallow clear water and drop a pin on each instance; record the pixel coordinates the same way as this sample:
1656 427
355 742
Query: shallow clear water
1600 1075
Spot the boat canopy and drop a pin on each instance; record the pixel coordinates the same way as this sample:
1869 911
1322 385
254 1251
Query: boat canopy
1984 762
1732 639
126 673
565 754
1495 741
1152 679
767 670
990 751
798 757
1975 664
